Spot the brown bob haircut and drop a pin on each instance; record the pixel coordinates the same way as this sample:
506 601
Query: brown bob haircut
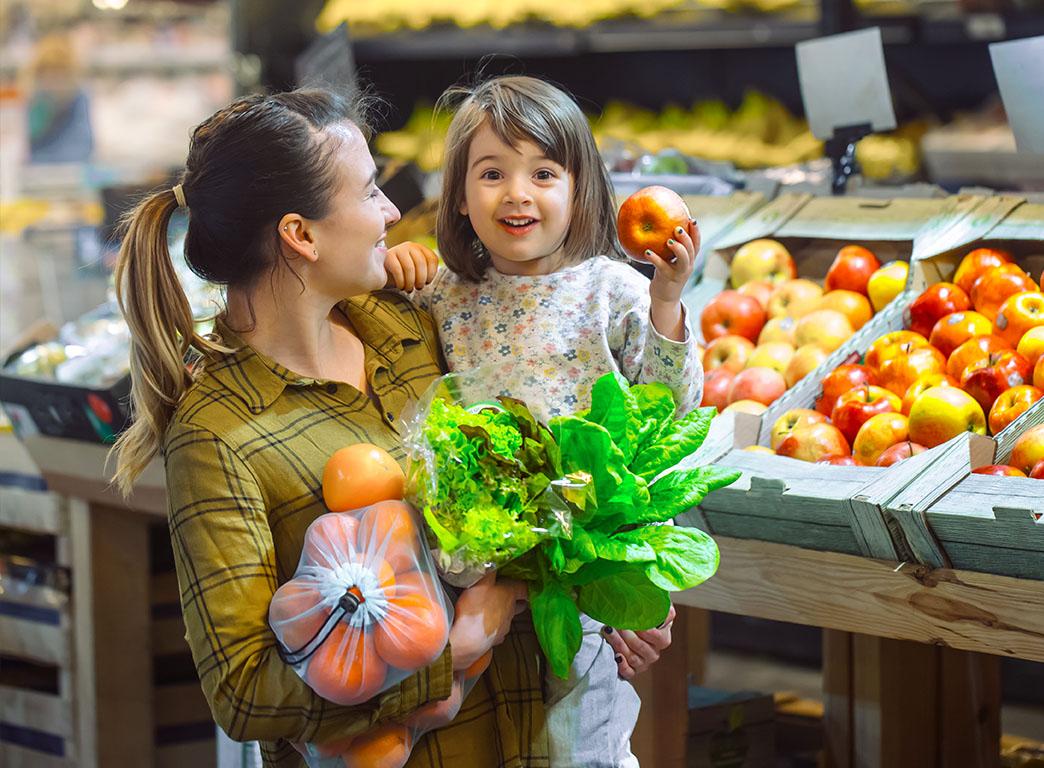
519 109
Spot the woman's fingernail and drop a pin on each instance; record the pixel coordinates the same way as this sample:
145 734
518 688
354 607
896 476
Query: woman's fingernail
618 658
679 230
648 252
607 629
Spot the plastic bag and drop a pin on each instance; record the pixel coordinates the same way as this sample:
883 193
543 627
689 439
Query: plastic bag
483 472
365 608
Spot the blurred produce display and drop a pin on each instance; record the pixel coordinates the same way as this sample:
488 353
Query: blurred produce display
760 133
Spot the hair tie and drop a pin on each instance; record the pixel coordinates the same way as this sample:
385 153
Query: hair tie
179 195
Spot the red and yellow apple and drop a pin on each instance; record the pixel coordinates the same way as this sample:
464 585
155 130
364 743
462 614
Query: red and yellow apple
878 434
1010 404
778 329
1018 314
814 442
887 283
875 353
857 406
900 371
805 360
730 351
974 349
794 298
839 461
996 284
1038 373
716 385
942 413
999 470
773 354
985 380
855 306
851 269
1028 450
956 328
648 218
899 452
1031 345
791 420
926 382
976 263
759 289
1037 473
732 312
760 449
936 302
840 380
762 259
825 327
746 406
763 385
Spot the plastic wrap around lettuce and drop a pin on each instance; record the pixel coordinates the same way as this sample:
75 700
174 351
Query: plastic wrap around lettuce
575 508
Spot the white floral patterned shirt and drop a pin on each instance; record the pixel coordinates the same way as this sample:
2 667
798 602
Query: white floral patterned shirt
548 338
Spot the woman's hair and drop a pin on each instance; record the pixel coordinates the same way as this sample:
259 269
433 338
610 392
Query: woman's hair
521 109
248 165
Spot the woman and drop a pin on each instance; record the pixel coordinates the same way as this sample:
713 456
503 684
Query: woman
284 211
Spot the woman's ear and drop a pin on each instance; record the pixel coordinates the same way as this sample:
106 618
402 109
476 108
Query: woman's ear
295 233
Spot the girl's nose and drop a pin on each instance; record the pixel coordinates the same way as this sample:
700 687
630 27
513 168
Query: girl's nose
518 193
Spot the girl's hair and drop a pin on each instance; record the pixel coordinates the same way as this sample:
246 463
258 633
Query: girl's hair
521 109
248 165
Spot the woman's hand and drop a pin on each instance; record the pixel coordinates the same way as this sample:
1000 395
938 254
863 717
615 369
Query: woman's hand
482 617
637 651
410 266
671 277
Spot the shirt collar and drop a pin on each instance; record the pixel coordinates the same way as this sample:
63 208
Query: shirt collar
259 380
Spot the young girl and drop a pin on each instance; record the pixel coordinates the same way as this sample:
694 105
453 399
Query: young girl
527 231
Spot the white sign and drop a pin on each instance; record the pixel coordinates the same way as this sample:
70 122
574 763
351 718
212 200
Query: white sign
1019 67
844 82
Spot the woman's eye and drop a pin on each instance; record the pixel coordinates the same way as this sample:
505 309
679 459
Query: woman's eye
375 192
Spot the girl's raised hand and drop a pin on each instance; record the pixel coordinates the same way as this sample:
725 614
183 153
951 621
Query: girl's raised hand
672 276
410 266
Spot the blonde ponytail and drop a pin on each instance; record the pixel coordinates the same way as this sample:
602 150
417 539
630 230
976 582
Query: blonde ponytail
162 332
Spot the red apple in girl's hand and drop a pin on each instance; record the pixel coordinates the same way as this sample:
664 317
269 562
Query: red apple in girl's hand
648 218
732 312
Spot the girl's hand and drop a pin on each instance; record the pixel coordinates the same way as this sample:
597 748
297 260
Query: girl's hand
410 266
672 276
482 617
637 651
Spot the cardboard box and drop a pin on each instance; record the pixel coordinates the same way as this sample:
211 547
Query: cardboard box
730 730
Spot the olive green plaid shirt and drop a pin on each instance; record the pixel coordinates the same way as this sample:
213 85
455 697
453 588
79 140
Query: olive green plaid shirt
244 458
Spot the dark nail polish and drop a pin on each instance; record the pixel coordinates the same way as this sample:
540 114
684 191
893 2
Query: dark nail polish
618 658
679 230
607 629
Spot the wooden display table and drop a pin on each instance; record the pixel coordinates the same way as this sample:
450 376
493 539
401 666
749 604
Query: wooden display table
910 655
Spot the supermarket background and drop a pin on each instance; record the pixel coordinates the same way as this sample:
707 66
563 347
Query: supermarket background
97 99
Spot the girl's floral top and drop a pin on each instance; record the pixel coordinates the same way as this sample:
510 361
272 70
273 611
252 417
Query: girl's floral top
548 338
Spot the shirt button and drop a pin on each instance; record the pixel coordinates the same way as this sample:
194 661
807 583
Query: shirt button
331 389
389 417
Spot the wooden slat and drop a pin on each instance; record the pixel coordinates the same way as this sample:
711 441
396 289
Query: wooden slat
43 643
838 736
40 711
13 756
197 754
35 511
180 704
960 609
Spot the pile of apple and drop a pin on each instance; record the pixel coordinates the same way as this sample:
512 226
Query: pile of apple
773 328
972 360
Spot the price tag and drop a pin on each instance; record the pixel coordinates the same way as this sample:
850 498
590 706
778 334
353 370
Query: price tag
1019 67
844 82
328 61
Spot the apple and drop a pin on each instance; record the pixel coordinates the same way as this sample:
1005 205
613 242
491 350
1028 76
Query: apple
841 380
762 385
986 379
648 218
729 351
851 269
760 449
996 284
1031 345
941 413
856 406
762 260
956 328
773 354
1037 473
1038 373
1028 450
814 442
974 349
999 470
760 290
878 434
926 382
1010 404
900 371
826 327
716 386
778 329
805 360
746 406
855 306
899 452
839 461
975 264
1019 313
791 420
887 283
794 298
936 302
732 312
875 353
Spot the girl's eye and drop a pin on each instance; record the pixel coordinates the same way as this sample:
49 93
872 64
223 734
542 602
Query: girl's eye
491 175
544 175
